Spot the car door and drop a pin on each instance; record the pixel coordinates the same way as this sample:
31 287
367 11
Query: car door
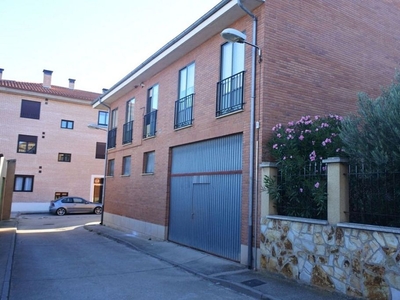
68 203
80 205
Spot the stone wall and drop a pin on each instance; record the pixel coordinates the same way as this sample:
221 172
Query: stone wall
357 260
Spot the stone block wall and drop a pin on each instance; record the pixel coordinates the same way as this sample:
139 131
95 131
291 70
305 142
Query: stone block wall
357 260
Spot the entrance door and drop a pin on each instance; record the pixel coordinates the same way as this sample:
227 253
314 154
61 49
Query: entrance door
98 190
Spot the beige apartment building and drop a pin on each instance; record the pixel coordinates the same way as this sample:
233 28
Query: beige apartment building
49 131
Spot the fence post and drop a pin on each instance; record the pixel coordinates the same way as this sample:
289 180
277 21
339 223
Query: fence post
338 189
267 202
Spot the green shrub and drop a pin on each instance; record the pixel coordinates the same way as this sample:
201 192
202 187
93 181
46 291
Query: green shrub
373 135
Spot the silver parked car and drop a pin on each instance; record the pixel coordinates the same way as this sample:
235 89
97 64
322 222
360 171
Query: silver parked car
70 205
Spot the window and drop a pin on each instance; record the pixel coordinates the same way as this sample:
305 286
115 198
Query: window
30 109
128 126
150 119
149 162
60 194
184 104
126 165
230 88
23 183
129 110
114 118
67 124
27 144
64 157
102 118
112 134
100 150
110 167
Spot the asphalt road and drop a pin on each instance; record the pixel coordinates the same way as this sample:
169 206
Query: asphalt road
56 258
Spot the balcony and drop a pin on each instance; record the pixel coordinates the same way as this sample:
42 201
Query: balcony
184 112
112 138
127 133
149 124
230 94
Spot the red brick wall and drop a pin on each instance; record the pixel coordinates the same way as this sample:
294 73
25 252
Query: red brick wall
319 54
316 56
145 197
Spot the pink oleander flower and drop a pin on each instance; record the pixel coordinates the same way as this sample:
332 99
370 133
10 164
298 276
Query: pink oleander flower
316 185
301 137
312 156
301 190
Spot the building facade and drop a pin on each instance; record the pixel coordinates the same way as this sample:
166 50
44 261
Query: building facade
189 126
45 129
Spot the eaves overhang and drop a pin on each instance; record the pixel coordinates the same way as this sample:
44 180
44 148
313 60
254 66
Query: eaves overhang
212 23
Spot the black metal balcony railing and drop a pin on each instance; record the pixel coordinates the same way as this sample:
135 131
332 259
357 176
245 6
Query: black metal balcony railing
149 124
183 112
127 133
112 138
230 94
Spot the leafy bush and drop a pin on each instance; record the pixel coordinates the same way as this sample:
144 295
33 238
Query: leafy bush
373 136
298 148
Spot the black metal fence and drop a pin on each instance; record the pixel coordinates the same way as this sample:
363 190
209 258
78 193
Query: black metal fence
127 133
230 94
374 196
302 191
149 124
183 112
112 138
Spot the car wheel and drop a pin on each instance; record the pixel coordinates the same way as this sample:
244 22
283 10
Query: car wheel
97 210
61 211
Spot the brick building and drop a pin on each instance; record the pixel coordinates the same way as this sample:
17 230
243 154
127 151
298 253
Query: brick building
185 139
45 129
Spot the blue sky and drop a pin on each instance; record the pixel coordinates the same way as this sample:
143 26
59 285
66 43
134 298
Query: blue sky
96 42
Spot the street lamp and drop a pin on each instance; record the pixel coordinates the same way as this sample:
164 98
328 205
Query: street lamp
235 36
104 128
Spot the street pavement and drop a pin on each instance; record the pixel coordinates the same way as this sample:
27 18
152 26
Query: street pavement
220 272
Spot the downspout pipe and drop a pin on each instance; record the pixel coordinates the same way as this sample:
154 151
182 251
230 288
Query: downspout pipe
105 164
252 133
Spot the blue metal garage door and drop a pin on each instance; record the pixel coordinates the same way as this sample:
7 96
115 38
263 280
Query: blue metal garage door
205 201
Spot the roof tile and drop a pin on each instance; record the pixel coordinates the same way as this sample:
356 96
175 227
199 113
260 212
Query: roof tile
54 90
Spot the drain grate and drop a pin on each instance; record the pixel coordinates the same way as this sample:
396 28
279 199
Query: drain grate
253 282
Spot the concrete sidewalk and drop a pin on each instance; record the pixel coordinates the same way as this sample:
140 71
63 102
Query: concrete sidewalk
218 270
224 272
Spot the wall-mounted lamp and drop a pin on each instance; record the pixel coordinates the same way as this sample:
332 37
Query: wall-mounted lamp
236 36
